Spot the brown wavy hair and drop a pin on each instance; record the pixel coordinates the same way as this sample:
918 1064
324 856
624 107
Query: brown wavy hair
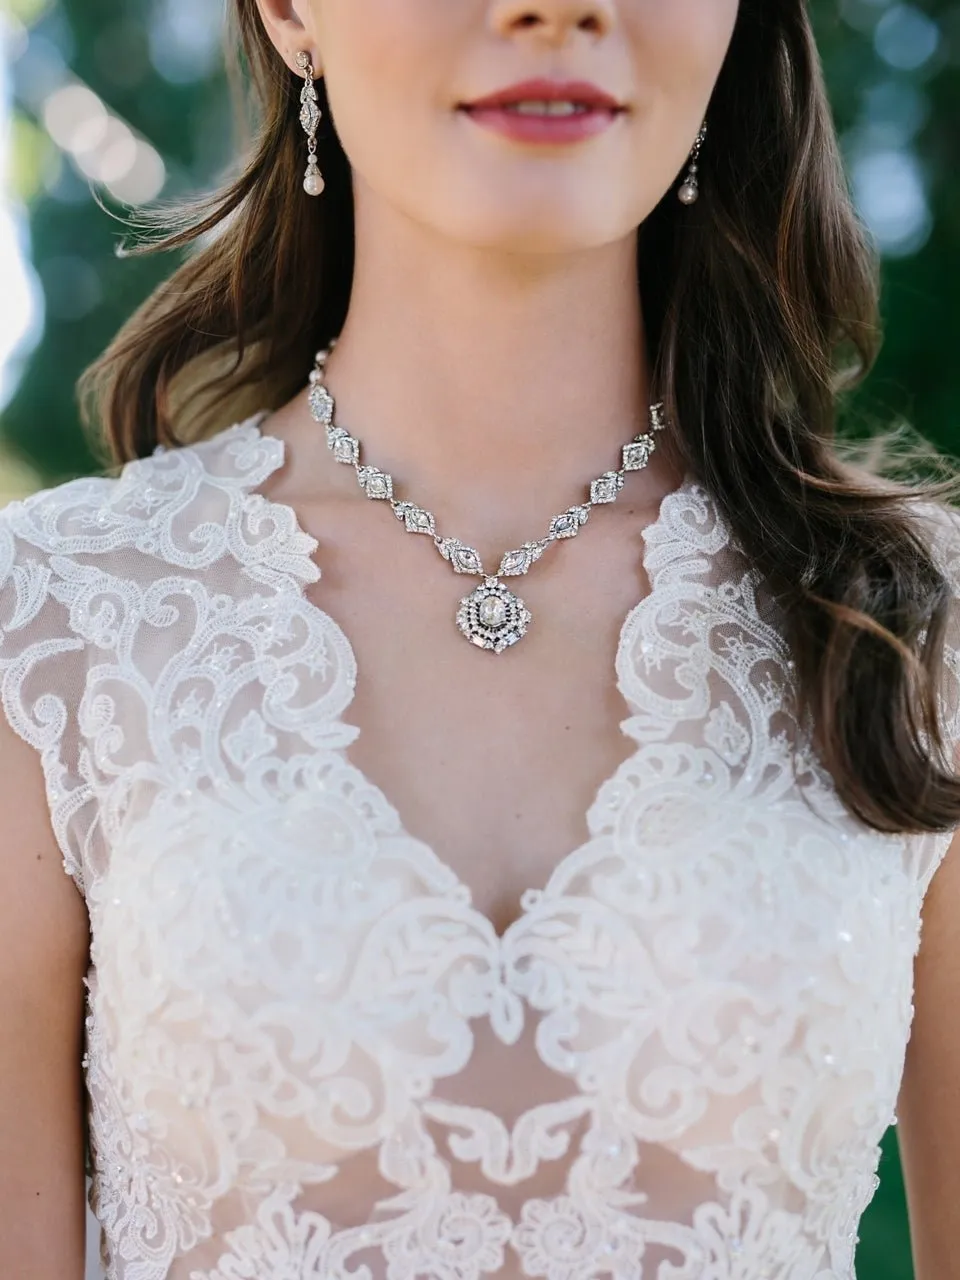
761 308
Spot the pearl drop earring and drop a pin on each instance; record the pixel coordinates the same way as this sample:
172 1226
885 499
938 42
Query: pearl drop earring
310 115
689 192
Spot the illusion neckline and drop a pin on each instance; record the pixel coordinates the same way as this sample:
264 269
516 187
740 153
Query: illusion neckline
654 533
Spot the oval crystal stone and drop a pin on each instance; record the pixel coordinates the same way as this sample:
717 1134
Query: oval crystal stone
493 612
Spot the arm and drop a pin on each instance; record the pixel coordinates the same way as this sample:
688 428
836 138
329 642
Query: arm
928 1108
44 945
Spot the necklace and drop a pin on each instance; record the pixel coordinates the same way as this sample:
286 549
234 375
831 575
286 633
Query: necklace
492 617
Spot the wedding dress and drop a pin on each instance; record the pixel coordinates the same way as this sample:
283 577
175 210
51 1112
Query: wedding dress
309 1056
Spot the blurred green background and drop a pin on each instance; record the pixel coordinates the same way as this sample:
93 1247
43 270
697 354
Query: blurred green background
132 98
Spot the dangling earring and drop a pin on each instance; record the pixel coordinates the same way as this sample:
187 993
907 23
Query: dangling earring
310 118
689 193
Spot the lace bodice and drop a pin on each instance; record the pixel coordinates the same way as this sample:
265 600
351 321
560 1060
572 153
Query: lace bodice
309 1056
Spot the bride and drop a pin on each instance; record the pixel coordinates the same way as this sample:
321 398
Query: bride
498 743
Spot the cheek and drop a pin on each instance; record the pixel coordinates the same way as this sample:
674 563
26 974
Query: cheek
678 51
681 45
394 67
385 63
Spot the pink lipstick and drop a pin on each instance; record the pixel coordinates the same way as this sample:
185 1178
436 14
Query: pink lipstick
546 111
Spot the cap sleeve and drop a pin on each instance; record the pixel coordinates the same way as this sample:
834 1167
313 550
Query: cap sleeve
44 653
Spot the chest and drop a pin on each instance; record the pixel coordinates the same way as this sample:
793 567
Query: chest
492 760
310 941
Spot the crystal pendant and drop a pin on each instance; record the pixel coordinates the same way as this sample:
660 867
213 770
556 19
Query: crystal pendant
492 617
310 111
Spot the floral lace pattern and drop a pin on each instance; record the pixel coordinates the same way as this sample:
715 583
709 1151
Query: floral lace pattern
297 1020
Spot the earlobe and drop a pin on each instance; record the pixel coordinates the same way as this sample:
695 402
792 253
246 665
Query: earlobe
288 23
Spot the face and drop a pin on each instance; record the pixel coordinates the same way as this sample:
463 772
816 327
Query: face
402 78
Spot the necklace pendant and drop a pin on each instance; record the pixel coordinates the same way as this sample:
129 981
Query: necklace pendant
491 617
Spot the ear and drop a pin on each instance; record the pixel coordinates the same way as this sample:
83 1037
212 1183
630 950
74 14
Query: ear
291 27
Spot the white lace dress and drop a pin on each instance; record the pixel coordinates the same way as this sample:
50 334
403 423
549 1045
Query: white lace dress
309 1056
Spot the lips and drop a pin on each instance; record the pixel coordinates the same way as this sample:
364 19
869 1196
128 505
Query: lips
545 112
581 93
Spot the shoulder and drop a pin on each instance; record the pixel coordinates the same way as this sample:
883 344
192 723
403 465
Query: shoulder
96 513
178 509
93 576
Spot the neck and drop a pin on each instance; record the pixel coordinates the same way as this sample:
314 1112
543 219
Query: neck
482 381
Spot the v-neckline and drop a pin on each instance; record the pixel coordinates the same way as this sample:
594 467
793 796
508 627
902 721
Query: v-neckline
651 535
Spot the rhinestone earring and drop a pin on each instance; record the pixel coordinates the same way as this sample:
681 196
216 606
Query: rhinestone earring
310 118
689 193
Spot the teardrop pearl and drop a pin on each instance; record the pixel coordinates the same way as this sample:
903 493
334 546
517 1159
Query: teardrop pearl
688 193
313 184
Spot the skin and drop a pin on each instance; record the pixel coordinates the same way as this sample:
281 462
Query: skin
492 361
494 299
483 263
395 73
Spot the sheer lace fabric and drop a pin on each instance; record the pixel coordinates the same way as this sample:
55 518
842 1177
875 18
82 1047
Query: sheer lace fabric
309 1056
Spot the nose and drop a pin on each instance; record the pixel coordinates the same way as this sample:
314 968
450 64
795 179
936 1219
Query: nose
551 21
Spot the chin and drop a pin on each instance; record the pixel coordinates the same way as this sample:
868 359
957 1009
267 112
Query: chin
550 228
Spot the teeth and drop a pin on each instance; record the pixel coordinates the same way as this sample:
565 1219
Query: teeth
536 108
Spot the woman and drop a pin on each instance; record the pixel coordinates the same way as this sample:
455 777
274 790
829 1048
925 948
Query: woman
558 919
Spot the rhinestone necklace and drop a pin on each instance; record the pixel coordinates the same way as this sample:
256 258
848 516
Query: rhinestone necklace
491 617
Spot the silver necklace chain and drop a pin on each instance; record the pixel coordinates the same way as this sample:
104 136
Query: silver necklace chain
491 617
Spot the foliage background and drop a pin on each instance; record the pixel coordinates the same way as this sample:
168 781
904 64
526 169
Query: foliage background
894 74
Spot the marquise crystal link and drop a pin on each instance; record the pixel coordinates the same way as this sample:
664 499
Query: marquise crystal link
519 561
415 518
464 559
491 617
375 483
569 523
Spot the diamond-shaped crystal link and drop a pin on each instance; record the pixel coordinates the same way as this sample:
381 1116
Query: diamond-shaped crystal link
466 560
346 448
520 560
513 563
321 404
637 454
415 519
463 559
419 521
516 562
606 487
375 483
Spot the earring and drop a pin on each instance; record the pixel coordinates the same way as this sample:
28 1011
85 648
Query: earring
310 118
689 193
